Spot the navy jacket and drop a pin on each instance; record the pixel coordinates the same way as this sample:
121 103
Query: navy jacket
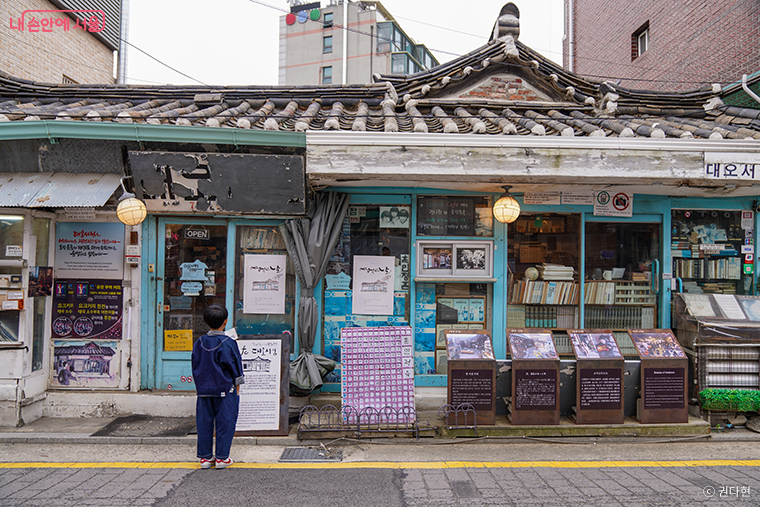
217 365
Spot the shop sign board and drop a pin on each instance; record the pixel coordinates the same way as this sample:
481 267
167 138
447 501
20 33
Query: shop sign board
89 250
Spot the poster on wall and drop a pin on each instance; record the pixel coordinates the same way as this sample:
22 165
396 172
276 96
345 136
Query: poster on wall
89 250
260 394
373 285
87 309
84 364
264 282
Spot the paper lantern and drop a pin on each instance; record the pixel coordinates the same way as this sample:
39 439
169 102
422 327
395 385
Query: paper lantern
131 211
507 209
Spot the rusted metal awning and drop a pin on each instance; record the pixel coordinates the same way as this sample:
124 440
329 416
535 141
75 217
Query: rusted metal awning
56 190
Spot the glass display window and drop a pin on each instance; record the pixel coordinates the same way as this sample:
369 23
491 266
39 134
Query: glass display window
706 251
543 259
263 240
369 230
622 266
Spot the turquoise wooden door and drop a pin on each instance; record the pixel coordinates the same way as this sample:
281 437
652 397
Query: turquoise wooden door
191 274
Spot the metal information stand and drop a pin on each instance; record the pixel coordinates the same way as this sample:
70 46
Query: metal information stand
599 377
535 377
472 373
663 377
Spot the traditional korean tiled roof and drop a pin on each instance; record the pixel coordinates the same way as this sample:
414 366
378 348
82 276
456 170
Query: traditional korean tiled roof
502 88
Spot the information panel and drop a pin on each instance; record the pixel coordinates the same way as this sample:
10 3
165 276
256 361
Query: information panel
264 396
600 389
535 389
663 388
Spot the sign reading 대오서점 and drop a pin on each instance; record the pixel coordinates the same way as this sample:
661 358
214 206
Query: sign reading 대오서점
613 202
87 309
264 281
89 250
374 279
260 394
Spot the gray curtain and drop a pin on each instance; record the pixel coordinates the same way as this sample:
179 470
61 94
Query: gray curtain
310 242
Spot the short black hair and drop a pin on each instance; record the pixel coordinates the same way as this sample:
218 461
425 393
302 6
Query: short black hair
214 316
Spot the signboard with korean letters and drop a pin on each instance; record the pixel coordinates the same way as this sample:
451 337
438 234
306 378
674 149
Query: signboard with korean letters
378 371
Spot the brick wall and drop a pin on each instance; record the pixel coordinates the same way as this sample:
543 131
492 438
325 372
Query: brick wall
507 88
48 56
691 42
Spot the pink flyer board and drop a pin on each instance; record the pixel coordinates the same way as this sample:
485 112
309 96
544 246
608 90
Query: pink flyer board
378 371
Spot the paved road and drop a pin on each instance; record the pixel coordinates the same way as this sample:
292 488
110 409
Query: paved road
710 474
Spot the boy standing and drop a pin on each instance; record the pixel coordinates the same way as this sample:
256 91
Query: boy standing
218 373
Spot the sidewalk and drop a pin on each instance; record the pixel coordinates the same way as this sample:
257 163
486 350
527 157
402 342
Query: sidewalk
181 430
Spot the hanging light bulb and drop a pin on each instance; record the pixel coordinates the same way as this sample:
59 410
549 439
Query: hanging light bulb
506 209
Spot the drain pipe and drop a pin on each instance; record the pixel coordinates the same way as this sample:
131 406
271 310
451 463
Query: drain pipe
345 40
570 37
747 90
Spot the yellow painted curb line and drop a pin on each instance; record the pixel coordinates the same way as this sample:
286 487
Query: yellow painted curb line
420 465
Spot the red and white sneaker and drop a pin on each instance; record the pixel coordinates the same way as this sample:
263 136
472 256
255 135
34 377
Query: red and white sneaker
223 463
206 463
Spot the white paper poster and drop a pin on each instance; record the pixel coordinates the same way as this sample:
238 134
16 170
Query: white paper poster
613 203
260 395
89 250
264 282
374 279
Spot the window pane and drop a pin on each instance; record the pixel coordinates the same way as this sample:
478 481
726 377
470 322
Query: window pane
398 63
328 21
263 240
327 44
326 75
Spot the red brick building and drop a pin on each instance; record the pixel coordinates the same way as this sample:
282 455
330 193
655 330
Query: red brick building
662 44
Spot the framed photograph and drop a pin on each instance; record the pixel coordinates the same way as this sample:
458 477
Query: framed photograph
532 345
462 260
468 344
594 344
394 217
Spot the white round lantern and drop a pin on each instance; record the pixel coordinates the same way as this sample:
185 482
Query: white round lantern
131 211
507 209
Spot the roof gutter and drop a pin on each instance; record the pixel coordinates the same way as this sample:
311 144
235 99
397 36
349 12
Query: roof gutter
53 129
409 140
747 90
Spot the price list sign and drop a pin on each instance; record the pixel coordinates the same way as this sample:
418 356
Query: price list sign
378 370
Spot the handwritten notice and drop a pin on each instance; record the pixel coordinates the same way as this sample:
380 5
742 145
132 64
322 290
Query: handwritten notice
178 339
373 285
264 282
89 250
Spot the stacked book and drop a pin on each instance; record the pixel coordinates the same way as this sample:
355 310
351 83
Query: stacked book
555 272
544 292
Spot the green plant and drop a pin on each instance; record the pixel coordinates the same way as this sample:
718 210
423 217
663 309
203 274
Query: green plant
740 400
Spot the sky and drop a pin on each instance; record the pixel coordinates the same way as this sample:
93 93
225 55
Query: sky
235 42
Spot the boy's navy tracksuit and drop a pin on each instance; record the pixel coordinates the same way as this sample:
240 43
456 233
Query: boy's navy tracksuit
217 369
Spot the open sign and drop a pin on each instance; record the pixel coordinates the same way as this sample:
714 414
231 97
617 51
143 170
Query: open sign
197 234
